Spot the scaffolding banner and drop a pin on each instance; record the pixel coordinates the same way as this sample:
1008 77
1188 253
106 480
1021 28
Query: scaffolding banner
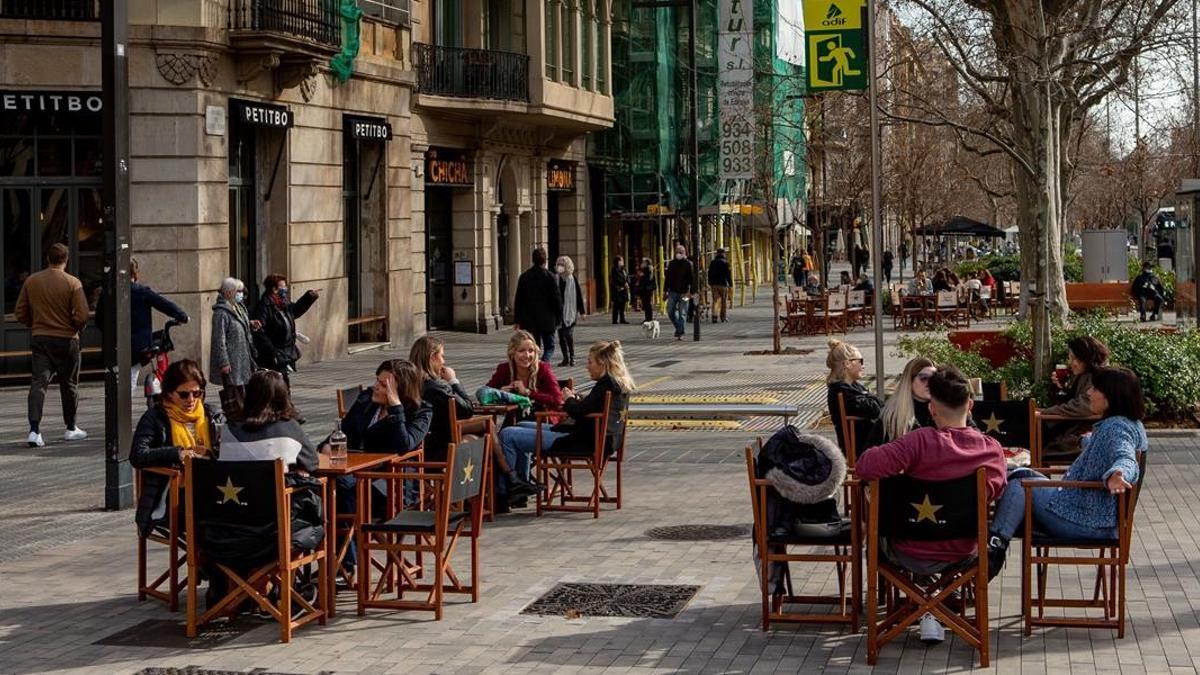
789 33
735 86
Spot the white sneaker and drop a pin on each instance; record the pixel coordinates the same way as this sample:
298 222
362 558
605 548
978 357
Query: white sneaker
932 631
75 434
35 440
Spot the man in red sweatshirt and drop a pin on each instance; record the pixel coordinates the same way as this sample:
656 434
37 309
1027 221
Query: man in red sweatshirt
951 450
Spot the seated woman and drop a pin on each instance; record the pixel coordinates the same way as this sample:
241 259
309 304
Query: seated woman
439 388
606 366
1085 354
390 416
845 364
907 408
523 373
269 429
1109 455
178 426
941 281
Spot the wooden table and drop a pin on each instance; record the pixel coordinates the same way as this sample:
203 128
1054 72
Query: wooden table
494 410
355 462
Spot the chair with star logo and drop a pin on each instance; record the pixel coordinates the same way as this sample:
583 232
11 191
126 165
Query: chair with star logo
1110 558
905 509
239 526
557 471
1011 423
454 512
1048 453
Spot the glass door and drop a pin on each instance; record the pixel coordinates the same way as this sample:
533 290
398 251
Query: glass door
439 248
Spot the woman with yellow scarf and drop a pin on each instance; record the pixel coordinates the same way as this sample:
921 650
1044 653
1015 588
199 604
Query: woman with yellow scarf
181 424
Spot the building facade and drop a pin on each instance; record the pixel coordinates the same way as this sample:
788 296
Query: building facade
396 155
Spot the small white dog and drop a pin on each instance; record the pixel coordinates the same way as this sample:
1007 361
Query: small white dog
651 329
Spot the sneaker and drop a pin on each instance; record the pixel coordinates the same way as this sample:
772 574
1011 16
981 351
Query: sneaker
997 551
35 440
932 631
74 434
518 487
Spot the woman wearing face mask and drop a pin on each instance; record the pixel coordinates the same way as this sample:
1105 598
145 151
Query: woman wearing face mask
646 287
572 308
276 342
618 287
231 356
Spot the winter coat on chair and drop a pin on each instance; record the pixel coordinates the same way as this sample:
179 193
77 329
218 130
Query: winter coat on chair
276 342
806 473
231 345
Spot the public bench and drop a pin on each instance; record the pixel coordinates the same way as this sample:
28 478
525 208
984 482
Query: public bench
1112 298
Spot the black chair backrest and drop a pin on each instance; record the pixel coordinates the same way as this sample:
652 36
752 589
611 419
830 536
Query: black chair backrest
994 391
236 493
466 474
928 510
1006 421
618 416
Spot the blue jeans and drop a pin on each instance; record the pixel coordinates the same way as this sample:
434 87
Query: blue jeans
517 443
677 311
546 342
1158 304
1010 512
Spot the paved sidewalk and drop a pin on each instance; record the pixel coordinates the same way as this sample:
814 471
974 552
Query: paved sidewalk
67 570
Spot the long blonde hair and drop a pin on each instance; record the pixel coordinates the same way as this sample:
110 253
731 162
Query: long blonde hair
567 263
839 354
519 338
610 356
422 353
898 412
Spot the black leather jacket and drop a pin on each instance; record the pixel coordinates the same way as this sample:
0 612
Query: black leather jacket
152 447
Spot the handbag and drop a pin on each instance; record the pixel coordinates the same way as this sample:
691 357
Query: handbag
232 399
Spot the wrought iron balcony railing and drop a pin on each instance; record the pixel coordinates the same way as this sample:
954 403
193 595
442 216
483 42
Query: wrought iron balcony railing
55 10
316 20
471 73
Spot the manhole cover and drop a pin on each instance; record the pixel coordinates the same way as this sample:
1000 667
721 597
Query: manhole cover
170 634
699 532
627 600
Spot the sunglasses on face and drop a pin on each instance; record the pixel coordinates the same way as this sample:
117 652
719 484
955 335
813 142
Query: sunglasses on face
187 395
924 377
858 360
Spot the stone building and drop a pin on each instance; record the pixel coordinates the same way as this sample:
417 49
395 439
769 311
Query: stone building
405 181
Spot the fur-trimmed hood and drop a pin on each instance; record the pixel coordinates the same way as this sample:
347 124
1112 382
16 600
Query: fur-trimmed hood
803 468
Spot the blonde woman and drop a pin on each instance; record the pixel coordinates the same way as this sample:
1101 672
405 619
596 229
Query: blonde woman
440 388
572 307
908 407
523 373
845 364
606 366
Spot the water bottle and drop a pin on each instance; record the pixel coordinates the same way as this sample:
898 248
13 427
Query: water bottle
337 444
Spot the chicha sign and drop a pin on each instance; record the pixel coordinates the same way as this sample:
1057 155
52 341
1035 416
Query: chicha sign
448 167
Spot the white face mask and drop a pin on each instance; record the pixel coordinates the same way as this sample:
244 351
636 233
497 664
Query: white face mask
561 269
679 256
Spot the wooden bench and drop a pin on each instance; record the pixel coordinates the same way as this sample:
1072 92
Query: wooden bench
1112 298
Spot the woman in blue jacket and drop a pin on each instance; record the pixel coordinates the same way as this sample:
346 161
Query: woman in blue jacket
1109 455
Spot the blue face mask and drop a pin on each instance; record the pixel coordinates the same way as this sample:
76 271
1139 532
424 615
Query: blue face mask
239 297
282 293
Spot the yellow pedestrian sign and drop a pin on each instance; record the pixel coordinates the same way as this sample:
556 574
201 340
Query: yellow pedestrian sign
836 44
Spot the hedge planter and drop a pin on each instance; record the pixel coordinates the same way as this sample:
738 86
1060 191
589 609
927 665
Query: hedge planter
993 345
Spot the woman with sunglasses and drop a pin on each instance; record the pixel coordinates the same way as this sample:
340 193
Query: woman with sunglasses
845 364
908 407
178 426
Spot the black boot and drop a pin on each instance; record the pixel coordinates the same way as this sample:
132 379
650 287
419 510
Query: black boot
997 551
565 362
519 487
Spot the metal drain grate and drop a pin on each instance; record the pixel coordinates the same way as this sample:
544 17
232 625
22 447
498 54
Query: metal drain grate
641 601
169 634
699 532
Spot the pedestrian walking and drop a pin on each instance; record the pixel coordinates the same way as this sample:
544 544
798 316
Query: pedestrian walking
618 290
52 304
275 343
143 300
887 265
572 307
537 306
903 254
810 267
720 280
797 270
231 354
647 285
680 284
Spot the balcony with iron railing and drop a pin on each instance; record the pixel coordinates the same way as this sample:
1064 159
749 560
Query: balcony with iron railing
291 25
50 10
460 72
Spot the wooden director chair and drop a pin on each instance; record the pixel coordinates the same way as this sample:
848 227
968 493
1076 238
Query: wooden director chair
557 470
850 428
1041 458
904 508
1011 423
251 495
1109 556
949 311
455 512
772 550
346 398
457 433
169 535
832 315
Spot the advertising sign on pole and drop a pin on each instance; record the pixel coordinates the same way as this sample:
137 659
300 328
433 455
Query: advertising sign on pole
735 87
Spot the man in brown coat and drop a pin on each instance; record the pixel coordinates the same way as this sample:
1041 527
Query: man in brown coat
52 304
